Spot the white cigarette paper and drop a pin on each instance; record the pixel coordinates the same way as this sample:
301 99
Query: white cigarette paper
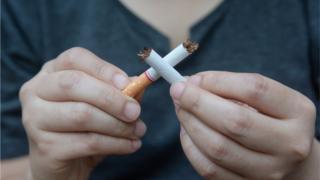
174 57
163 68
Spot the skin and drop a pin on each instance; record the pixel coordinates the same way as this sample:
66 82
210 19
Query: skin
246 126
186 12
275 142
75 115
263 130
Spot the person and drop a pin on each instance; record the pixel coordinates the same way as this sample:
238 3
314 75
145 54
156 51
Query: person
247 110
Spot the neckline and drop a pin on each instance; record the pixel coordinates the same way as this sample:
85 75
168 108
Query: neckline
194 29
198 30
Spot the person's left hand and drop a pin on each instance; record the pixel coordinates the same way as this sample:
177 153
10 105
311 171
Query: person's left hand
243 126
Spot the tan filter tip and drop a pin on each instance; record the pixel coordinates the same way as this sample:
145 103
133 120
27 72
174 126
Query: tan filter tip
137 86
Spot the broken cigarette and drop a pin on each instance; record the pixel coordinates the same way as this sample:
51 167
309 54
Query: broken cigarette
162 67
173 58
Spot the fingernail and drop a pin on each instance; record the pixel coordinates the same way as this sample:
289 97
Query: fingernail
120 80
140 129
195 80
177 89
136 144
132 110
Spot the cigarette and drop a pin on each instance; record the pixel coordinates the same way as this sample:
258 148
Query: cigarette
162 67
173 58
137 86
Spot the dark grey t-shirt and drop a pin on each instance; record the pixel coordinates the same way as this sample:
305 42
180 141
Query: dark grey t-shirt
278 39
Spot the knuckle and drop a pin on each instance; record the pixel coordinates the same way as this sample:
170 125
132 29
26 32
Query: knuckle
30 114
259 86
278 175
209 172
48 66
104 71
26 117
68 58
218 151
309 108
192 99
210 80
300 151
187 146
110 97
25 90
184 116
240 124
82 114
43 148
124 130
194 129
69 80
214 79
187 118
195 104
93 142
44 144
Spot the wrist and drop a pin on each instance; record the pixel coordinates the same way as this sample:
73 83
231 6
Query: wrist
308 170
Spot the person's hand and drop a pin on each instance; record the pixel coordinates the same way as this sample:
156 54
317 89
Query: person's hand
75 114
243 126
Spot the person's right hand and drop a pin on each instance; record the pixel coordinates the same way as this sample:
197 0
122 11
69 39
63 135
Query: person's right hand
75 114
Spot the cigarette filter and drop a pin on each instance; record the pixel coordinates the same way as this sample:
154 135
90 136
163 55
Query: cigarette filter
137 86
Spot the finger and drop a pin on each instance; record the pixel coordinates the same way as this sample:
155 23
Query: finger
222 151
80 87
262 93
139 96
83 60
67 146
241 124
202 164
82 117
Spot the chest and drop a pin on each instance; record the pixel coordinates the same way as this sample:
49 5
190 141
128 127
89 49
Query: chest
238 36
172 18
